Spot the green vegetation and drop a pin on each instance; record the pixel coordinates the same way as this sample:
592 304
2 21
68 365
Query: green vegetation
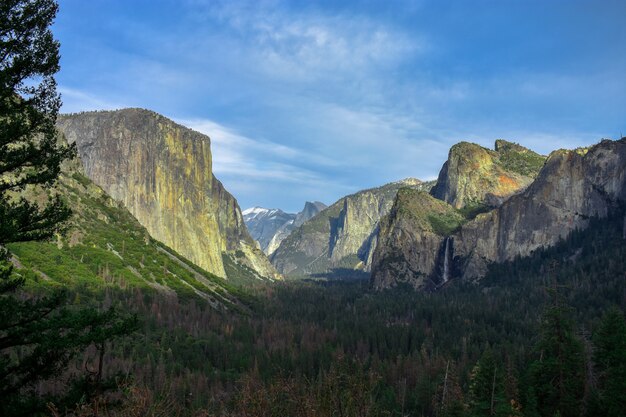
320 345
39 335
237 273
425 212
105 246
516 158
445 224
473 209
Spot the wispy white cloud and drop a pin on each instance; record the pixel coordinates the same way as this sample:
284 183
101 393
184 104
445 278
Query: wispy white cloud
309 101
75 100
234 153
309 46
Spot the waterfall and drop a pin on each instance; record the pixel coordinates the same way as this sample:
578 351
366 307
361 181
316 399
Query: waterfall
446 260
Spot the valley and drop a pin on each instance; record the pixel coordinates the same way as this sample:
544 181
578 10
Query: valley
380 294
275 209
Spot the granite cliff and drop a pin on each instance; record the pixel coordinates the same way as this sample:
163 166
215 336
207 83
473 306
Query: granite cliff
343 236
263 224
309 211
572 187
162 173
104 246
411 241
474 176
269 227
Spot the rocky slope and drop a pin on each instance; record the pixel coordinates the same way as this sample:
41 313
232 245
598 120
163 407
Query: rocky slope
474 176
341 237
308 212
412 241
572 187
269 227
105 246
263 223
161 172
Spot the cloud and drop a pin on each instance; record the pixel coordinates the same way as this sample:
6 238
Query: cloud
75 100
252 159
314 100
311 45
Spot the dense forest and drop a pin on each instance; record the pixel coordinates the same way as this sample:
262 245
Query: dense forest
541 336
537 336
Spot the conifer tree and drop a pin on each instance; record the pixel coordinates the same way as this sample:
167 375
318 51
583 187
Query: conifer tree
38 337
610 362
487 389
558 373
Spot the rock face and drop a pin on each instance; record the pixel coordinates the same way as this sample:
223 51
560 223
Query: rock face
161 172
308 212
412 245
263 223
269 227
341 237
572 187
104 245
474 176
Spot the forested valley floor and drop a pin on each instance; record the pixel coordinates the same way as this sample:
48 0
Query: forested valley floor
324 348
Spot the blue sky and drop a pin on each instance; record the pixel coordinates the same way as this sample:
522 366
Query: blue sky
308 100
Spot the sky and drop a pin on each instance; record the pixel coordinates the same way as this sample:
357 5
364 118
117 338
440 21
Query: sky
313 100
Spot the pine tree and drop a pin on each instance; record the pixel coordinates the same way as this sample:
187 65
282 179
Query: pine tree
610 361
30 153
38 337
487 389
558 373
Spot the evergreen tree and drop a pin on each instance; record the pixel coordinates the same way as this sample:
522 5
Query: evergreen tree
29 103
38 337
558 374
448 400
487 389
610 361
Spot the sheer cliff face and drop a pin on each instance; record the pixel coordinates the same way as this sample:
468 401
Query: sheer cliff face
474 175
571 187
270 227
263 224
161 172
341 237
411 241
309 211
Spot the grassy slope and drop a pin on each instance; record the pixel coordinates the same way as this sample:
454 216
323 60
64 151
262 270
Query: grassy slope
105 246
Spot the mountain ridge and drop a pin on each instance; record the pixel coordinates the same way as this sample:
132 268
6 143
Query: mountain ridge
342 236
571 187
269 227
162 172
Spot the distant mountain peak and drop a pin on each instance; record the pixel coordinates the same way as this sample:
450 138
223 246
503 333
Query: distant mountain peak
270 226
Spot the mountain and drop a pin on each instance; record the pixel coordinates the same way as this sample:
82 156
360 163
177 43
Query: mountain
411 241
162 173
269 227
105 247
474 176
263 223
572 187
309 211
342 237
